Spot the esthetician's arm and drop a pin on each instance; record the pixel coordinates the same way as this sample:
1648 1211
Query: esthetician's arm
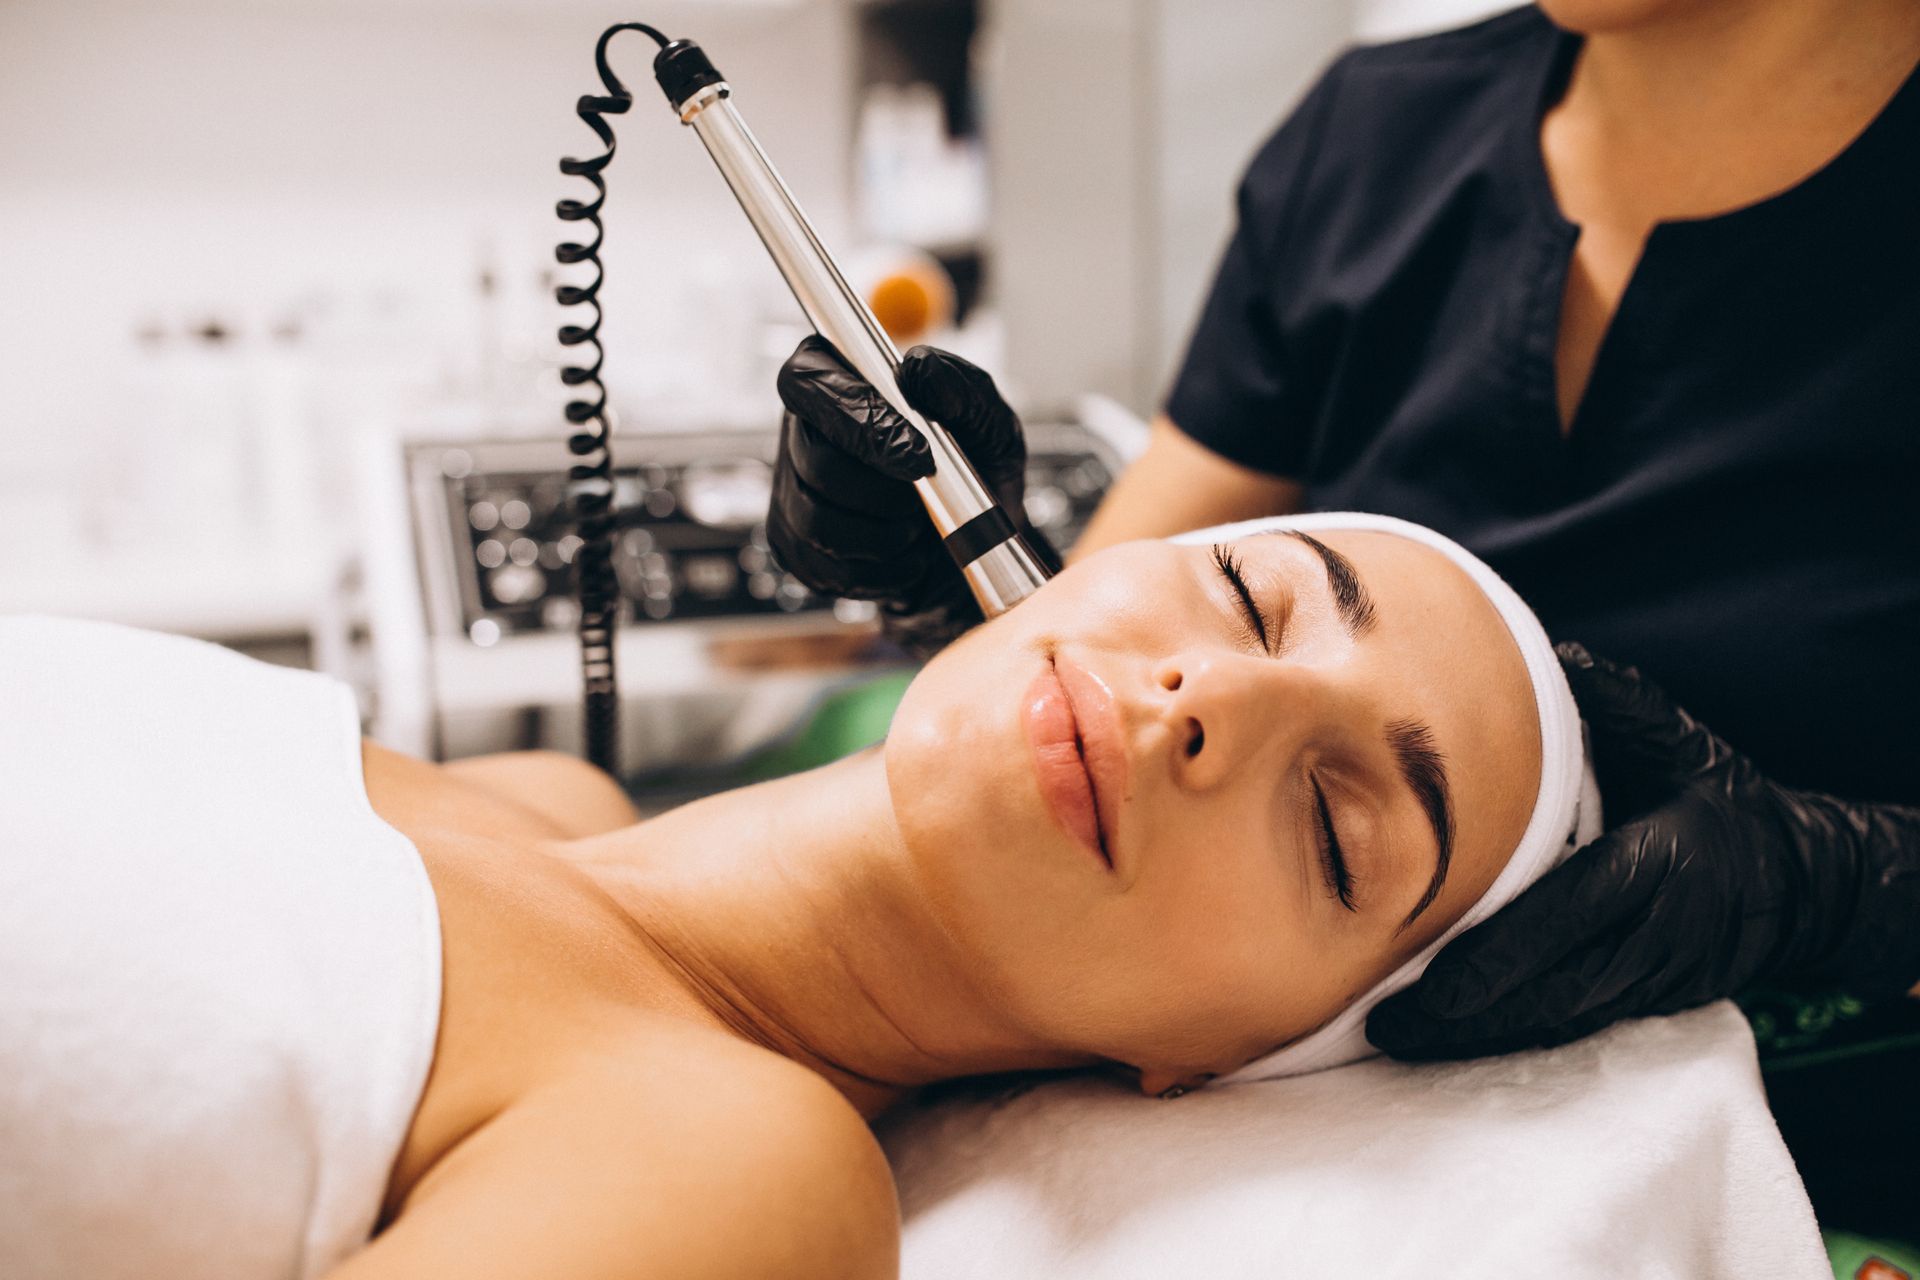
1178 484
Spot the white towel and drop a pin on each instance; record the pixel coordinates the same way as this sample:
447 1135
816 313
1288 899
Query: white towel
1566 808
219 969
1644 1151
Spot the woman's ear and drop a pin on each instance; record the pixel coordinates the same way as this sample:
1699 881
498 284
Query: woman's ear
1157 1082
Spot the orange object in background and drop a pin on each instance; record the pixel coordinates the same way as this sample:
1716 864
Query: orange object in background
909 292
901 305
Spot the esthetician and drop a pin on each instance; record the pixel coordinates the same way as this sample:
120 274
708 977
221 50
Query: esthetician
1624 296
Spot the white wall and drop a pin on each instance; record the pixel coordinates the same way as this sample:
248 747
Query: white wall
1224 86
1394 19
1118 131
1069 172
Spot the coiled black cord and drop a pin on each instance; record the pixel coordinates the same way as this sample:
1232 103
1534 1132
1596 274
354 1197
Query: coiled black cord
590 481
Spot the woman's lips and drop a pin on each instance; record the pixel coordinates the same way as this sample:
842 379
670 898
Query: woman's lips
1054 734
1103 749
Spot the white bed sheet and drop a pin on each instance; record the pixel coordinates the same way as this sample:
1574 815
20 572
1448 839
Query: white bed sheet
1645 1151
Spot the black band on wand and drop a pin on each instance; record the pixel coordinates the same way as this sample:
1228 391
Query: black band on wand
978 536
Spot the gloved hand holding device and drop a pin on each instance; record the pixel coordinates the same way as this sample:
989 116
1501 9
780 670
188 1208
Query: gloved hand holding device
1711 877
844 517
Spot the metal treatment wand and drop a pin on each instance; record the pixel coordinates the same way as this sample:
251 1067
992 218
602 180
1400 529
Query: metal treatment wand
999 566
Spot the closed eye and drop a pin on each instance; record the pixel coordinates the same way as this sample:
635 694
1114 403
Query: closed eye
1333 860
1229 566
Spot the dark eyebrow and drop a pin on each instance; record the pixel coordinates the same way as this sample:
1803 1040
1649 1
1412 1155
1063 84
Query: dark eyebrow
1350 595
1425 772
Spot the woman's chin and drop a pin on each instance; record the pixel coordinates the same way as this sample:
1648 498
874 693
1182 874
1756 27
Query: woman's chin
940 767
960 777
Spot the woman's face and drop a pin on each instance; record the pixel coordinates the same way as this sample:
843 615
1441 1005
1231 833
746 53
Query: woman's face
1186 803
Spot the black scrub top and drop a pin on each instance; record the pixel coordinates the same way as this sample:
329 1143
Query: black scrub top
1733 508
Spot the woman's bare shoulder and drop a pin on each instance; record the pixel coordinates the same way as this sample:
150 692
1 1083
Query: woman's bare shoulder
733 1162
793 1145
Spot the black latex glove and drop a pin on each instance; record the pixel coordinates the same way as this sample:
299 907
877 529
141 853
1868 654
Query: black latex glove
845 519
1710 878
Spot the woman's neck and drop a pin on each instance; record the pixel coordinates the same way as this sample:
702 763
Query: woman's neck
788 913
1715 103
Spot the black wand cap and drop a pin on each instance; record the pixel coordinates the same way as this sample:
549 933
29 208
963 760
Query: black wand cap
683 70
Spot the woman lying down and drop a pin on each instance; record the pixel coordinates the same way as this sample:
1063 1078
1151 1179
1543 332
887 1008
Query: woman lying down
278 1002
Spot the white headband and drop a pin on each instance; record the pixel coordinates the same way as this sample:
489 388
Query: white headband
1566 810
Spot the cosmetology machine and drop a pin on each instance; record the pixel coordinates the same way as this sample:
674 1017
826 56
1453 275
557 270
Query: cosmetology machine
707 620
999 568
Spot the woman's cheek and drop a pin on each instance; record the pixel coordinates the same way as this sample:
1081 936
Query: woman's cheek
960 777
1209 854
1210 896
926 736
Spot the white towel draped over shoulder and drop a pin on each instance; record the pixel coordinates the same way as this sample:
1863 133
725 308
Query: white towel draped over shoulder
219 969
1644 1151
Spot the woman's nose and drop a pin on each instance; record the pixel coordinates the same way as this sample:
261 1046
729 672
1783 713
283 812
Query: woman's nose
1223 711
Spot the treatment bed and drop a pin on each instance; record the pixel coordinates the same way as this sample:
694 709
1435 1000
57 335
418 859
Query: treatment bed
1644 1151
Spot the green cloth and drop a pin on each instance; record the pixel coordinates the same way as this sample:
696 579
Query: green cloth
1851 1256
846 721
